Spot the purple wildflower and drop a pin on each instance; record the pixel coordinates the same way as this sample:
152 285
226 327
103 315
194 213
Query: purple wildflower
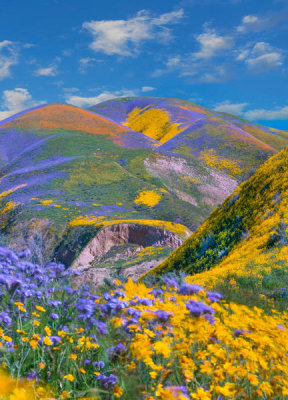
156 292
32 375
239 332
198 308
214 296
163 316
54 316
188 289
5 319
102 327
171 282
107 380
98 364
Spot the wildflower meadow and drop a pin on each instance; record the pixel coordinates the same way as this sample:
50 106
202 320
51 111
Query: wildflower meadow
173 340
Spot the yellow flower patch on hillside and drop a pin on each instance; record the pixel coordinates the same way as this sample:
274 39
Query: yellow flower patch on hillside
46 202
148 198
215 161
99 222
7 192
154 123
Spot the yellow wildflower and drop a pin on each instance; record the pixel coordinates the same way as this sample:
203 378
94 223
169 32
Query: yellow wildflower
117 391
35 314
65 395
34 343
48 331
201 394
20 332
47 341
69 378
162 348
7 338
40 308
253 379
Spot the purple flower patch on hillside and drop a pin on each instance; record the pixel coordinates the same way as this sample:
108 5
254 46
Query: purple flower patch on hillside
12 143
41 165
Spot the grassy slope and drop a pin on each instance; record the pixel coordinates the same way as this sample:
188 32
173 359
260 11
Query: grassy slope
244 235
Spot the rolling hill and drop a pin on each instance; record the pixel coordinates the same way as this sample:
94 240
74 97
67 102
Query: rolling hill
69 175
246 238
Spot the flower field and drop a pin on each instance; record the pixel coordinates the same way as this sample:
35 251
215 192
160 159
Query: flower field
219 333
131 340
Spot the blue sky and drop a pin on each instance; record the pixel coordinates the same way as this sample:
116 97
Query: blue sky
228 55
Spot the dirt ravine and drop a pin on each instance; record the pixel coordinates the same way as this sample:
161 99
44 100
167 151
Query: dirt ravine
117 235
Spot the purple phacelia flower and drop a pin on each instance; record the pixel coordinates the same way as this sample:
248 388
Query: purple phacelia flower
98 364
214 296
156 292
32 375
171 282
107 381
198 308
119 348
163 316
85 308
5 319
239 332
188 289
54 303
102 327
24 253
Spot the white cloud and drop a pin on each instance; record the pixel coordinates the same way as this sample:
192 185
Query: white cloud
254 114
215 74
51 70
85 63
123 37
211 44
147 89
47 71
262 57
262 114
81 101
29 45
199 71
265 62
16 100
198 65
254 23
249 22
8 58
230 108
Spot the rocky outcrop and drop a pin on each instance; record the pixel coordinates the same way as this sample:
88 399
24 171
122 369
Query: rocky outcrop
119 234
97 275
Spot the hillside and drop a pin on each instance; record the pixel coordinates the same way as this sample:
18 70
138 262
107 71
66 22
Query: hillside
183 127
246 237
69 175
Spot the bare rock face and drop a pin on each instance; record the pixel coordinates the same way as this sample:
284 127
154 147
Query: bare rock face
118 235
